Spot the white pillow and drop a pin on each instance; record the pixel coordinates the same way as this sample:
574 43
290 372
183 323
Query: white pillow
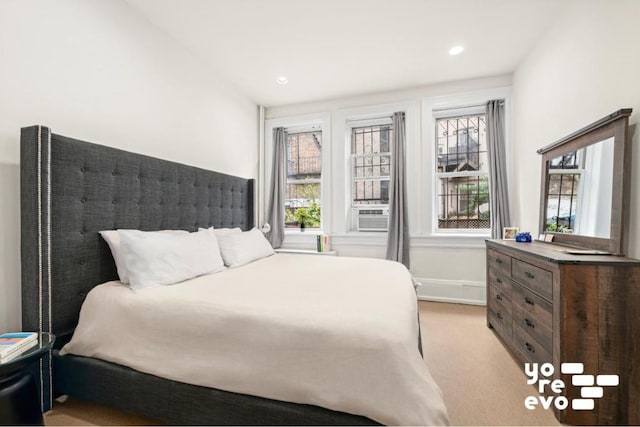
155 259
241 248
223 231
113 240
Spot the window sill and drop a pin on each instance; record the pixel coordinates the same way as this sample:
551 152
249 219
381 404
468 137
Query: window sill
305 252
422 241
297 232
295 239
304 240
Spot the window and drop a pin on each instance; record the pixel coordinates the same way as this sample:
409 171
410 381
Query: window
371 164
304 173
462 173
371 170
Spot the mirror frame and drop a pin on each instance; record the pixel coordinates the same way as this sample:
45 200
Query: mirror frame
614 125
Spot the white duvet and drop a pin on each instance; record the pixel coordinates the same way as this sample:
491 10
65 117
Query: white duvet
335 332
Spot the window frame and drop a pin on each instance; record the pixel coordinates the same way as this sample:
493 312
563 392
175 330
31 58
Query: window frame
353 179
438 176
350 125
288 181
438 105
371 112
294 237
439 108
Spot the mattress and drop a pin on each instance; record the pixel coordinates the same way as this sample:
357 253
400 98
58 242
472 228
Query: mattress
335 332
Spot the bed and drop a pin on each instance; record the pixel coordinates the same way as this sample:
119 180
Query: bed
73 189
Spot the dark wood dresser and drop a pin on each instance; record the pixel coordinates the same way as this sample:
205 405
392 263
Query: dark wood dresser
550 306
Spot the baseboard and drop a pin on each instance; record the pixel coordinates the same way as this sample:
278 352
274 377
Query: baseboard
454 291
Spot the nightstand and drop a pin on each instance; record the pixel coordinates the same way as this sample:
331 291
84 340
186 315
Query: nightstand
19 399
305 252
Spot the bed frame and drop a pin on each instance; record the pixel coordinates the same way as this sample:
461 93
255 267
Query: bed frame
72 189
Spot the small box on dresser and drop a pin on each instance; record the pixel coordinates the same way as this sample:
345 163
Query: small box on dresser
551 307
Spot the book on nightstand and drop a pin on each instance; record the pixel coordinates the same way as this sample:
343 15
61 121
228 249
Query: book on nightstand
326 245
13 344
322 243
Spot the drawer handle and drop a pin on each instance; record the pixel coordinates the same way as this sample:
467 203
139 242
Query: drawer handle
529 275
529 323
499 280
529 301
529 347
499 316
499 297
498 261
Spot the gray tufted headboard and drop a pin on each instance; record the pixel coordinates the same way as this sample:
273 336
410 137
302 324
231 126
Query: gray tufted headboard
72 189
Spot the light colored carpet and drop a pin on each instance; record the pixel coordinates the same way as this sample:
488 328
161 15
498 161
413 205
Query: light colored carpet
74 412
481 382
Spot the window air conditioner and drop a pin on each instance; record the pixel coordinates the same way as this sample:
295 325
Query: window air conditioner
371 219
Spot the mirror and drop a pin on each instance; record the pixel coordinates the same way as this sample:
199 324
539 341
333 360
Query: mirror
584 186
579 191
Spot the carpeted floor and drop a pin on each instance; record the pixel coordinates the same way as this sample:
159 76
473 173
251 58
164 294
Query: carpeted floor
481 382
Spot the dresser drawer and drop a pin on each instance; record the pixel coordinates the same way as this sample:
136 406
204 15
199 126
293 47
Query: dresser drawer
499 262
501 282
533 315
530 348
501 322
536 278
500 301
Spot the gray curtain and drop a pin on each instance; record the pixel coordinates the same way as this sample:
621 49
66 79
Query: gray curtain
398 235
275 212
499 188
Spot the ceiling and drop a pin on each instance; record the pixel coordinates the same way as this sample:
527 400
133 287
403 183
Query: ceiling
336 48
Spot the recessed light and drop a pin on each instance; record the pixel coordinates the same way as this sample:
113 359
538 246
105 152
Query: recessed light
456 50
282 80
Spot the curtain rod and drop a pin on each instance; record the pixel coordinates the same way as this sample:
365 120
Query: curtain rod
383 116
297 131
367 119
459 107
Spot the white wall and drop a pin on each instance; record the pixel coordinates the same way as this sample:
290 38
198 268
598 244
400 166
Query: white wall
97 71
449 267
586 67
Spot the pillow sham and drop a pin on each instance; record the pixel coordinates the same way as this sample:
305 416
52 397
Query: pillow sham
241 248
223 231
113 240
156 259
